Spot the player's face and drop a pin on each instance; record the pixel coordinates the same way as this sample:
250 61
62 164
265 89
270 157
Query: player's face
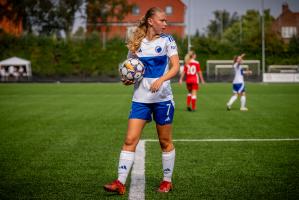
158 22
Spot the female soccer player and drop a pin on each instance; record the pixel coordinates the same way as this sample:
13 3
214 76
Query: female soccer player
152 96
238 84
192 71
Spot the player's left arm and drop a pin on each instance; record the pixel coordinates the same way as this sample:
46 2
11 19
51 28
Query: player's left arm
200 74
201 77
175 66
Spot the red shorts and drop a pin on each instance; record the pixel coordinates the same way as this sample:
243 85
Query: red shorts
192 86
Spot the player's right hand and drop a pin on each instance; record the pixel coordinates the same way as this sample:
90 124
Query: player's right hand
127 82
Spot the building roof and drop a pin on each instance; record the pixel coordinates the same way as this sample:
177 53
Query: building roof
14 61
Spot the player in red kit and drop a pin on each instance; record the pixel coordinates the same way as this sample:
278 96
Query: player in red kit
193 73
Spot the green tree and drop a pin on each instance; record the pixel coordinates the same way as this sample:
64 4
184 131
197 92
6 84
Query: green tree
293 46
246 33
222 21
45 17
100 11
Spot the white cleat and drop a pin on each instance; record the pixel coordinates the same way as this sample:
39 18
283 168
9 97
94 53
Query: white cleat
228 107
244 109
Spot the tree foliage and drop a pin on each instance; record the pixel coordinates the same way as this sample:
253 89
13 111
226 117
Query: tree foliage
222 21
100 11
45 17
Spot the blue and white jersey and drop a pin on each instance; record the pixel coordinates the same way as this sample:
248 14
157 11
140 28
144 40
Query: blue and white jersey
239 78
155 56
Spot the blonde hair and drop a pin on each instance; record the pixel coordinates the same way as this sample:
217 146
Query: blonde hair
141 30
189 56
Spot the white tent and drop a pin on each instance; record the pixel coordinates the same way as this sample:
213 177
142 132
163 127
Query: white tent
15 61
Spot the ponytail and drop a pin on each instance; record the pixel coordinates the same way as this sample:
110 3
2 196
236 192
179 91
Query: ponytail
141 30
188 57
139 33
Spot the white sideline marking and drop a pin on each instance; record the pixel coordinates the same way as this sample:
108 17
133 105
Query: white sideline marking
137 175
137 186
230 140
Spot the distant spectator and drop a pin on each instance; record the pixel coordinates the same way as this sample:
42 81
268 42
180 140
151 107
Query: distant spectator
16 73
11 70
3 73
22 72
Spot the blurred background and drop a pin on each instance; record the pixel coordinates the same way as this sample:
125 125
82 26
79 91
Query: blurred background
84 40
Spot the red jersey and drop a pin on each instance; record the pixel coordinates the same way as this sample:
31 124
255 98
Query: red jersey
191 70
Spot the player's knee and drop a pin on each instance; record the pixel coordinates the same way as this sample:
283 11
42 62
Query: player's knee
130 141
166 145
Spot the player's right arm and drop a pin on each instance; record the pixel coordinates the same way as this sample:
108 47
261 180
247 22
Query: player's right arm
127 82
240 58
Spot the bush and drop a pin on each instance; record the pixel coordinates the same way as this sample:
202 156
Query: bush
51 57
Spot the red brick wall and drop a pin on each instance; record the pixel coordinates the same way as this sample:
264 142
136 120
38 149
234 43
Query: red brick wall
178 9
175 21
286 18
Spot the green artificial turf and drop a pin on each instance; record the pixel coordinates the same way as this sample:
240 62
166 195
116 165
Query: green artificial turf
62 141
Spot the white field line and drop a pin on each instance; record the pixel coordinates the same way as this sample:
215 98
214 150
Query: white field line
137 186
230 140
137 175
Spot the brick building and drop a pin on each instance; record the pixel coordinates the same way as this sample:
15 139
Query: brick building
175 10
14 25
287 24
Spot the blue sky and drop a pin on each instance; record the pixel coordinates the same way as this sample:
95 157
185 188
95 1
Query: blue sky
202 10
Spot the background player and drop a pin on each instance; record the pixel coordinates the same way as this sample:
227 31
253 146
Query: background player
238 83
152 96
193 72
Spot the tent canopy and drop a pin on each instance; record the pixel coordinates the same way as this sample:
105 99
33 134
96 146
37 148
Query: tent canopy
15 61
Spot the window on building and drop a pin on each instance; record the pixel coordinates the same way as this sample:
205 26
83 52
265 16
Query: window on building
135 10
168 10
288 31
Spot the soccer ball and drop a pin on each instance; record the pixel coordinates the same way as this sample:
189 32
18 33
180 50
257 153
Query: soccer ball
132 69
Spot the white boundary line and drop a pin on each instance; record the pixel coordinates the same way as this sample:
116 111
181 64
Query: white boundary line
137 175
230 140
137 186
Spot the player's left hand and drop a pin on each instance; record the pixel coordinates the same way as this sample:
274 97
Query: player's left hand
156 85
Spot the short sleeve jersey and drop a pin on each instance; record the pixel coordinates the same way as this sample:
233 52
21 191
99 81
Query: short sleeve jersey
191 70
155 56
239 78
